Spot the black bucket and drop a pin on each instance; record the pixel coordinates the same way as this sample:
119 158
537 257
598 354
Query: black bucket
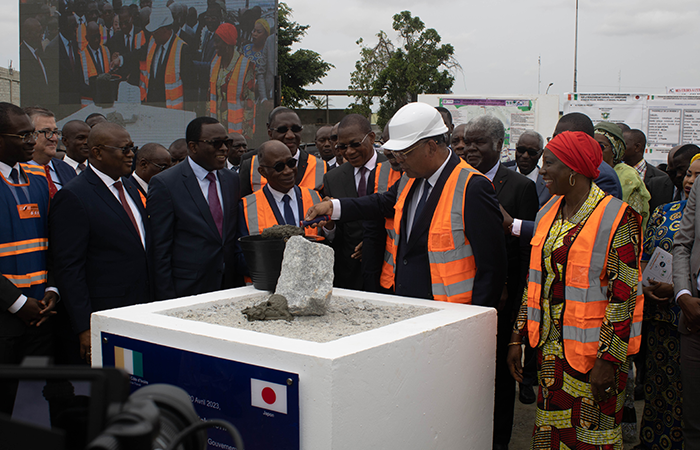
264 259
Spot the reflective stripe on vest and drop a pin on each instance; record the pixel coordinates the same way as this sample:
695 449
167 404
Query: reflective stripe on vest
174 92
21 247
586 295
234 87
313 176
452 266
89 69
385 177
27 280
259 215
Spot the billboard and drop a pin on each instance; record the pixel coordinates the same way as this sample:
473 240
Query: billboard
152 66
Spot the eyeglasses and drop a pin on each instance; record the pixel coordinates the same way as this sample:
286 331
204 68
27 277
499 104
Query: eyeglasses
279 167
283 129
529 151
26 137
217 143
343 147
48 134
125 150
162 167
401 155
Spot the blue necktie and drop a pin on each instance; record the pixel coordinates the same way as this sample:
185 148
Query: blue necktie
421 201
14 176
288 213
21 197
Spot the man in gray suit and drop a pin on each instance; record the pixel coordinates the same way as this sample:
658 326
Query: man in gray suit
686 266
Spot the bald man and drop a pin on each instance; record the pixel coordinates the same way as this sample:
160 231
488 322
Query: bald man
99 235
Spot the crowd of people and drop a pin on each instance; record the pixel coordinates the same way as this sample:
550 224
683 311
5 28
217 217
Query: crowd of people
556 241
219 63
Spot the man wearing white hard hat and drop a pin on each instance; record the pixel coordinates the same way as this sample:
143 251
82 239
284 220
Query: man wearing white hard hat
449 243
166 76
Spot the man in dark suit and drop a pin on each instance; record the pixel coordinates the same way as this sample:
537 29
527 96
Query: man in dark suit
35 76
338 154
58 173
657 181
193 208
26 300
151 159
64 63
283 125
350 180
483 138
99 235
129 43
239 146
686 266
325 147
528 151
418 142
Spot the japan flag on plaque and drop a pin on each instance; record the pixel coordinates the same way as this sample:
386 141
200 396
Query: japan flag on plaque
270 396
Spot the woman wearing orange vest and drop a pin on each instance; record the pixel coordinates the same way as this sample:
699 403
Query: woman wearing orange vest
582 308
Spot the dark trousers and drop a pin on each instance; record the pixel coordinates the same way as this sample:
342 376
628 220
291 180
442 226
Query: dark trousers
505 384
690 376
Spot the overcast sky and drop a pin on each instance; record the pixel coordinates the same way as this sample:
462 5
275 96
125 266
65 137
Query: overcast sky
624 45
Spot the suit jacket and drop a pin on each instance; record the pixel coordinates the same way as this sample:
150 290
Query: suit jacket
155 94
483 227
65 172
686 252
340 183
608 180
246 167
518 196
100 262
131 55
35 89
542 192
70 84
189 255
659 185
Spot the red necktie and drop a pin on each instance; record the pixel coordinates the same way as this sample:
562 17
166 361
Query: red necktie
125 205
52 187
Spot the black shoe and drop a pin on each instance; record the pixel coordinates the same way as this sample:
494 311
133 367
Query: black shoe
527 395
500 446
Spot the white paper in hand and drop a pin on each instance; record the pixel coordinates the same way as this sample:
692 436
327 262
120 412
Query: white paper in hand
660 267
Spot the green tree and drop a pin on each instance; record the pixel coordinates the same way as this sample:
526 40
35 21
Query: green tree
420 65
298 69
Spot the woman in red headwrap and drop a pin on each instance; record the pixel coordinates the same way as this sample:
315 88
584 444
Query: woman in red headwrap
582 307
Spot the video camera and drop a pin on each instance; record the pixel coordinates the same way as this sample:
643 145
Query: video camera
72 408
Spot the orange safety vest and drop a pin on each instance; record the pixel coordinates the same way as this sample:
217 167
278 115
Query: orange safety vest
385 177
259 215
174 92
313 177
90 70
586 287
452 265
234 89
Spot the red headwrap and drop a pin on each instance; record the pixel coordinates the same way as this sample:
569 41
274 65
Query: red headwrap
580 152
227 33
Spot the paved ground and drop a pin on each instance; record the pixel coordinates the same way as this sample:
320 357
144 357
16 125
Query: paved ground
525 420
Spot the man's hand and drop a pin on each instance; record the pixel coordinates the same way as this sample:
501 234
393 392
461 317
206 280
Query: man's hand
603 380
49 302
658 291
325 208
115 63
507 221
85 349
30 312
358 252
691 311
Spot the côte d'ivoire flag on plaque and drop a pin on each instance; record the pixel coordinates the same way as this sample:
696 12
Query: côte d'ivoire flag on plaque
128 360
270 396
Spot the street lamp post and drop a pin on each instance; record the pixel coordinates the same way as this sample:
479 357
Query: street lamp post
576 49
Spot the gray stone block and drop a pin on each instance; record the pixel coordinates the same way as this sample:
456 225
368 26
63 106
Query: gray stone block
306 280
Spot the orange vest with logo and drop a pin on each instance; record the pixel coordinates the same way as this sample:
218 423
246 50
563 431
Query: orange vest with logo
313 176
260 216
452 265
586 290
233 86
385 177
174 91
89 68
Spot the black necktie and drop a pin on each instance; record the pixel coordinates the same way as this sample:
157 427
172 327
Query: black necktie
98 62
14 176
362 185
421 201
288 213
127 44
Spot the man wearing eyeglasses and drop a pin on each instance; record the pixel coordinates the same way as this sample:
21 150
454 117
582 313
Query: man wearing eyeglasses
151 160
351 180
100 236
284 125
280 201
58 173
528 151
193 209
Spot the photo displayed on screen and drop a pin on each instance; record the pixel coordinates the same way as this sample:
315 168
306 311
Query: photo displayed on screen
152 66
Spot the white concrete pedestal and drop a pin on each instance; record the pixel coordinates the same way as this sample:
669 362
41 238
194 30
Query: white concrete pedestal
423 383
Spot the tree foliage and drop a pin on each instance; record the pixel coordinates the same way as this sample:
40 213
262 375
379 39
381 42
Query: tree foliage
419 65
298 69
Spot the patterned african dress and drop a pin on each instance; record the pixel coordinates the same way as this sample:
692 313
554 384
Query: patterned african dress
661 421
568 417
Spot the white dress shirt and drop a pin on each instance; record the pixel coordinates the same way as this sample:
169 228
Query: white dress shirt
141 183
74 164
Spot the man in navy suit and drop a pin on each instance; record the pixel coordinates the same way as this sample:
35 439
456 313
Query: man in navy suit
99 235
418 142
193 208
44 122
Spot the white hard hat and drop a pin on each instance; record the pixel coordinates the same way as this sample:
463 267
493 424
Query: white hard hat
161 17
412 123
